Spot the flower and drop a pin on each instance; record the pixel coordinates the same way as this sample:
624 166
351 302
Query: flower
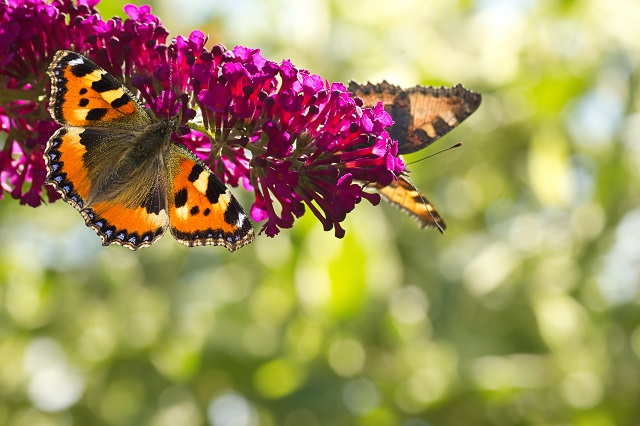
31 31
293 138
305 141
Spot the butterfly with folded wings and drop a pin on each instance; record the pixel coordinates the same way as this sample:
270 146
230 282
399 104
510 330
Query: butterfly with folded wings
421 115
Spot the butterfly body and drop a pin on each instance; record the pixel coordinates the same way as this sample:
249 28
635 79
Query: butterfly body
118 166
421 115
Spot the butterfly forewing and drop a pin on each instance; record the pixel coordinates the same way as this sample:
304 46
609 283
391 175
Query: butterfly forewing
421 114
85 95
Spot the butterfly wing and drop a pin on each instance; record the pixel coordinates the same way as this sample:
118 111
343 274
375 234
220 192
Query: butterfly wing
116 166
120 219
421 115
101 120
404 195
85 95
201 209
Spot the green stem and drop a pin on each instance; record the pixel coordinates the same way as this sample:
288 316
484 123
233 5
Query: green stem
9 95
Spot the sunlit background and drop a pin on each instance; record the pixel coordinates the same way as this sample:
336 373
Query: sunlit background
524 313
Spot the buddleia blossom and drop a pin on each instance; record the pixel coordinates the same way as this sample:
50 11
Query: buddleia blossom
31 31
293 138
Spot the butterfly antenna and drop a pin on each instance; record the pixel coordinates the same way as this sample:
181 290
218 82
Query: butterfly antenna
170 68
167 99
458 145
424 200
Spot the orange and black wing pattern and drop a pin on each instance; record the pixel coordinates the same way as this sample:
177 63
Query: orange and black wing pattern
201 209
120 169
404 195
421 114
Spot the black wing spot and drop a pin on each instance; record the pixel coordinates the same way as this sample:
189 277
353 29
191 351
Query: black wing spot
181 198
231 215
214 189
196 170
206 211
104 84
82 69
194 210
90 138
83 91
96 114
441 127
121 101
83 102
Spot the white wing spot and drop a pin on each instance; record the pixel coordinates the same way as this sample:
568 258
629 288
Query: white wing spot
75 62
241 219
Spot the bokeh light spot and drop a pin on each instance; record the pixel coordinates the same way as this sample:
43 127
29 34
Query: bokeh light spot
278 378
230 409
346 357
360 396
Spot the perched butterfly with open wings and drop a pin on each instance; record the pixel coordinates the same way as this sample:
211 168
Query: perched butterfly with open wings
421 115
117 165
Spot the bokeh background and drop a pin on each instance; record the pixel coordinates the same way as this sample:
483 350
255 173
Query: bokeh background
524 313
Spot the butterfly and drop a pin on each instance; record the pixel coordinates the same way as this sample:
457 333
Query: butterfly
116 164
421 115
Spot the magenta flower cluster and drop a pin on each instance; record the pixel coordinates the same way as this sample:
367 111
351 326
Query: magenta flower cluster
294 139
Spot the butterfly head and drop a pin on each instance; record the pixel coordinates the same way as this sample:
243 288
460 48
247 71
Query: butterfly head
169 125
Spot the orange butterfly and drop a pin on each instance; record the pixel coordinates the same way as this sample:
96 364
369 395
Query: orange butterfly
421 115
116 164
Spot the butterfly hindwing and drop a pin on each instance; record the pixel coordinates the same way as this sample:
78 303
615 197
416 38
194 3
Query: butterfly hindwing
118 166
202 211
129 227
404 195
130 224
65 168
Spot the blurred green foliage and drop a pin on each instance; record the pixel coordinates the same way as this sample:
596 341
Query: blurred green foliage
524 313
